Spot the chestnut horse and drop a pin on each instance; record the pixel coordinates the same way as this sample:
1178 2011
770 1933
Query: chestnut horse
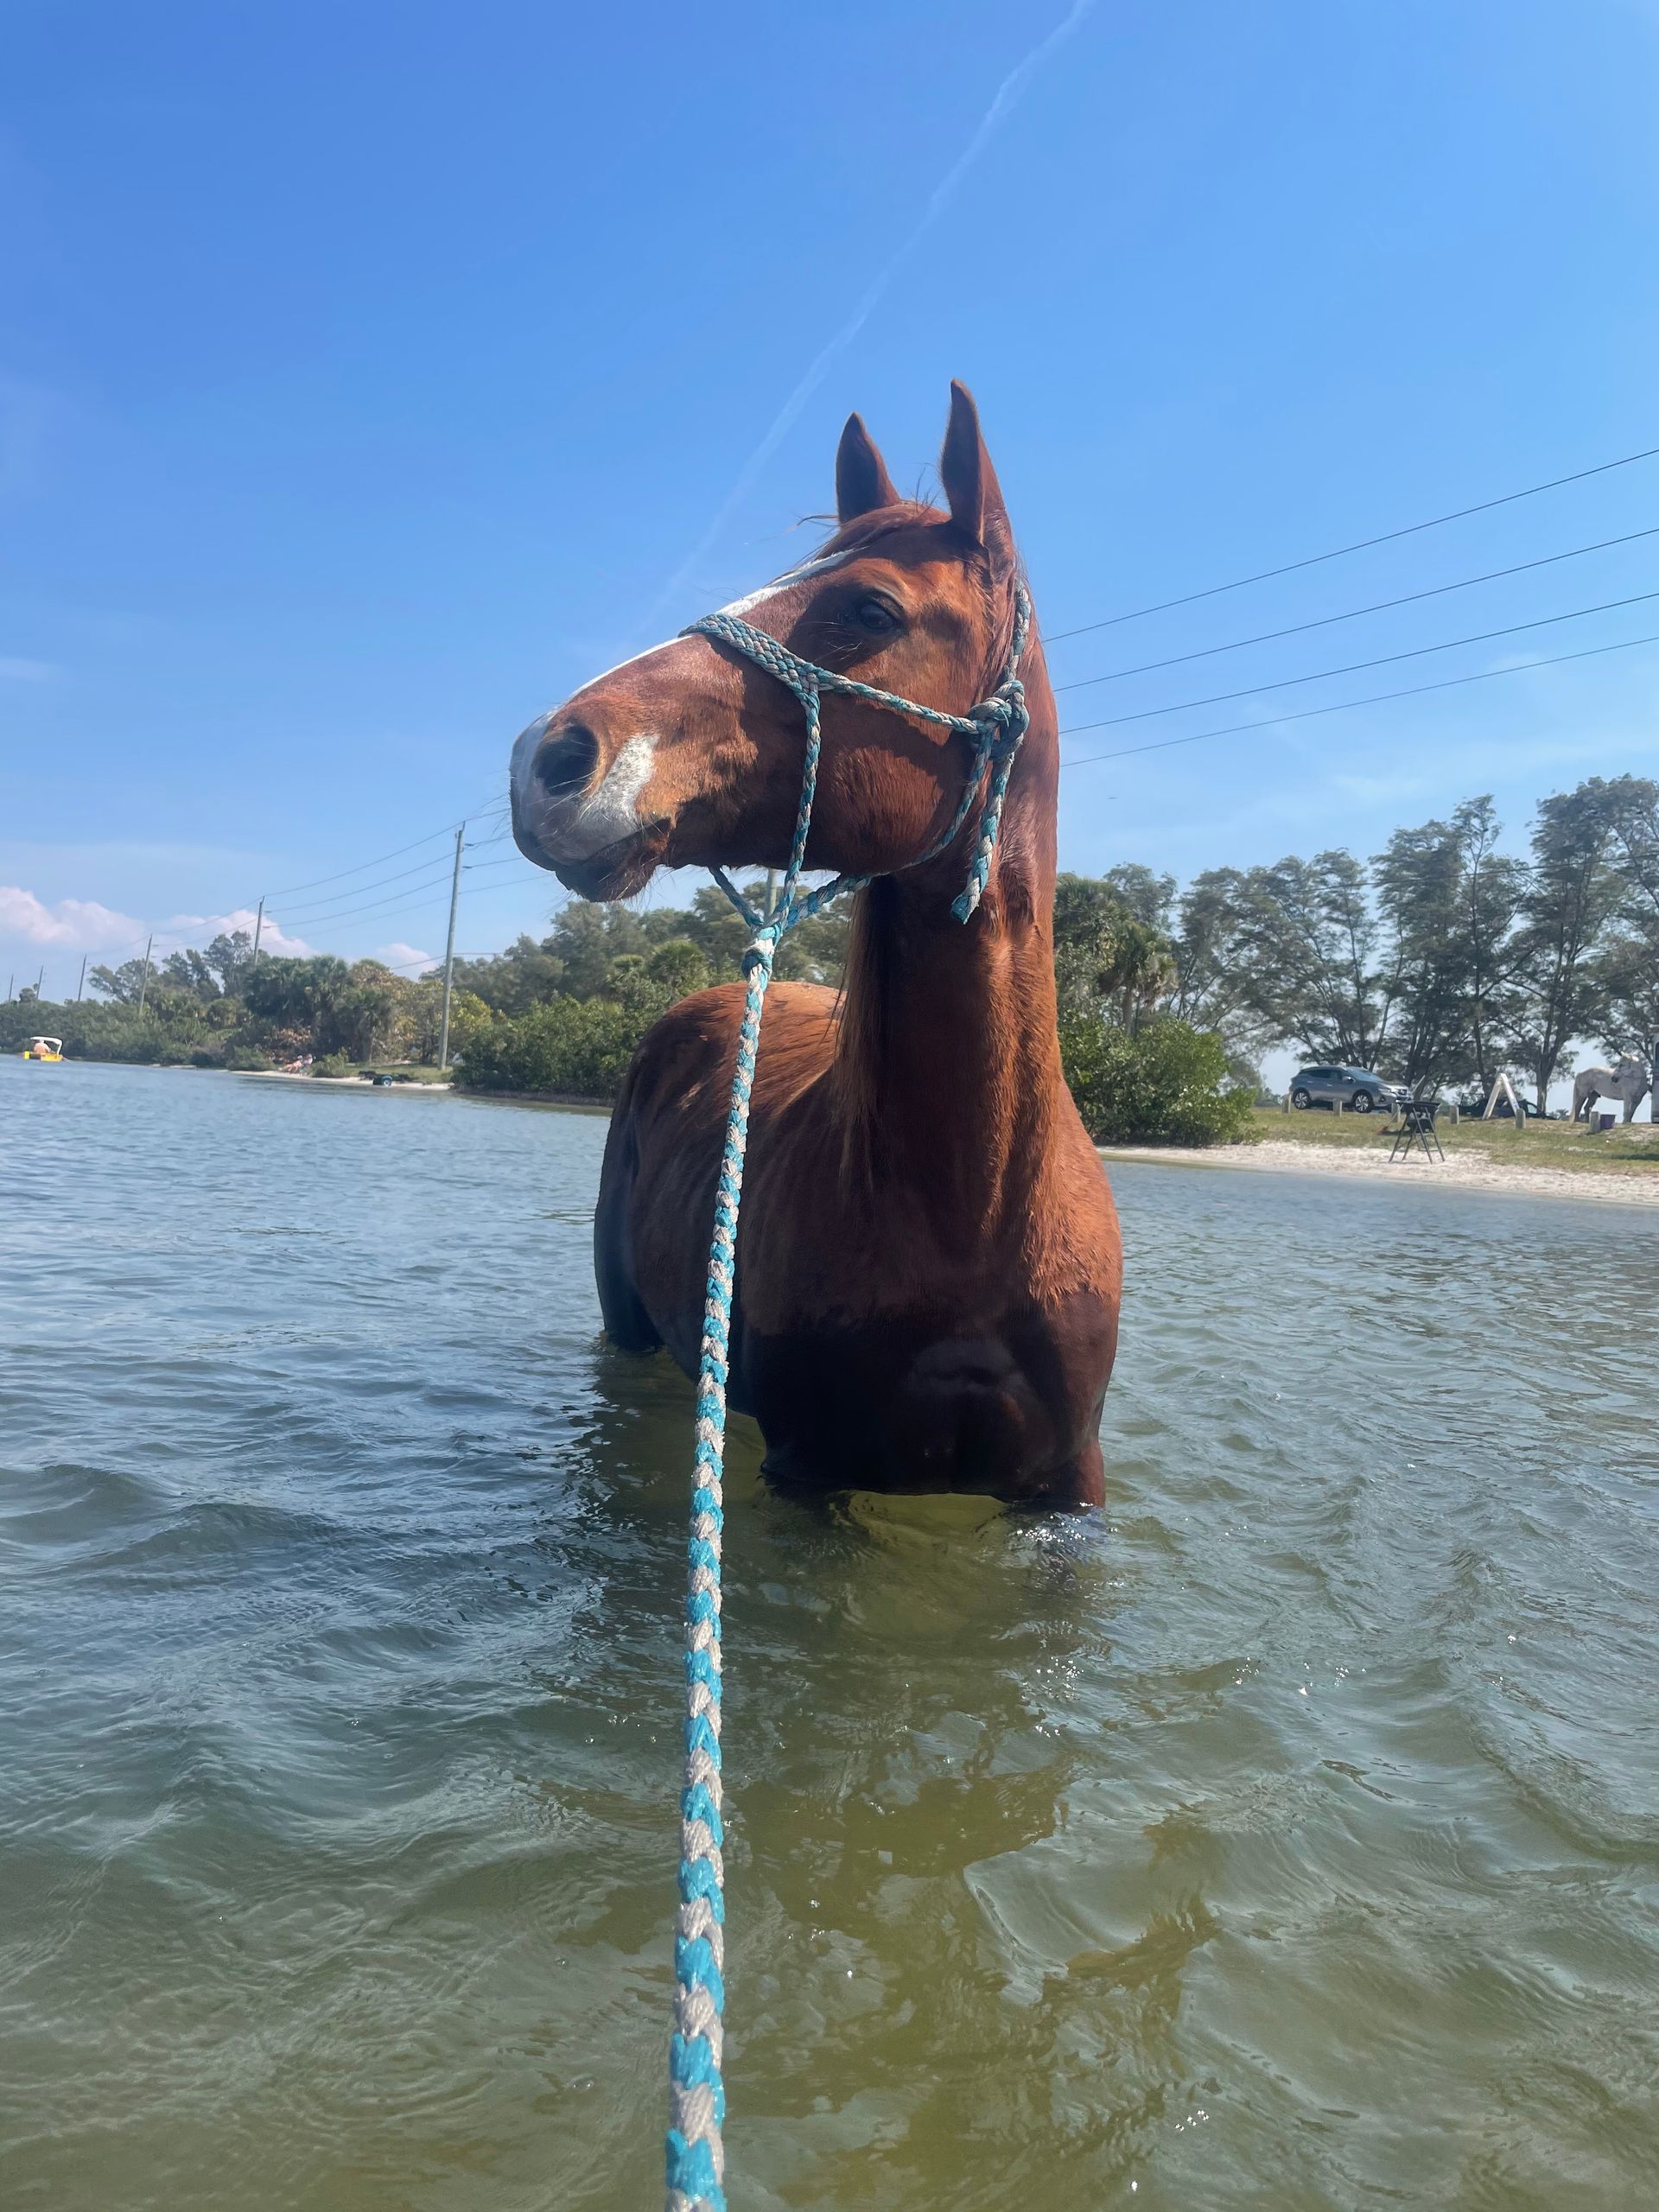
929 1263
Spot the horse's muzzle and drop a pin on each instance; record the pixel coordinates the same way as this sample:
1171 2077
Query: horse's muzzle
577 813
553 766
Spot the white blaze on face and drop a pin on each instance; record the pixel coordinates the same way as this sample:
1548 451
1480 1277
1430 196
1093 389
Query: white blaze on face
575 828
740 609
613 812
573 825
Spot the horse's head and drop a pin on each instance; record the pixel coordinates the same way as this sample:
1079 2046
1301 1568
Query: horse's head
689 755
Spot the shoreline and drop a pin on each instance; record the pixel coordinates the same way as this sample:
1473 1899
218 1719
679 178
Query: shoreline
334 1082
1281 1156
1608 1182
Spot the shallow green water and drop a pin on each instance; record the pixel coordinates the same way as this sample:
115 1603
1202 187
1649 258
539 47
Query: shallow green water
1284 1837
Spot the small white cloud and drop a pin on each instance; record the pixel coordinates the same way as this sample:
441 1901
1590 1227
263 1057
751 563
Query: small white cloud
84 925
72 925
398 955
201 928
272 938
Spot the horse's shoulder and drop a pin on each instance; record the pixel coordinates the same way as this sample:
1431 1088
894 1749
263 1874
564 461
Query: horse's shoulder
715 1014
698 1034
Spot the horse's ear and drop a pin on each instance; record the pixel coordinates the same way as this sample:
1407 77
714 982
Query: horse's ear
970 484
862 484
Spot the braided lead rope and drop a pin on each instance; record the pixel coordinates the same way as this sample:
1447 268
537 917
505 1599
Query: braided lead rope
696 2094
697 2091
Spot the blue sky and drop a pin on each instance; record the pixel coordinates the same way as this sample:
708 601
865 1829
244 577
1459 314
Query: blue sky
369 375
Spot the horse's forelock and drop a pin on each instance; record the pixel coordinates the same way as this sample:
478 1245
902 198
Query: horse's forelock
865 534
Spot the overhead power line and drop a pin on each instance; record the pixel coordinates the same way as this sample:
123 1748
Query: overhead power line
496 800
1353 667
1353 613
325 916
1344 706
319 907
287 890
431 905
409 899
1360 545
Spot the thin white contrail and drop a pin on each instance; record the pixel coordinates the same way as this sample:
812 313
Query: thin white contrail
1007 92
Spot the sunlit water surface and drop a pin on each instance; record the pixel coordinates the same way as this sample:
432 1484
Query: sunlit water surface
1284 1836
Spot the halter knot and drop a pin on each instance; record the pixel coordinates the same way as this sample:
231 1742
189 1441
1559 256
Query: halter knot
1004 715
997 726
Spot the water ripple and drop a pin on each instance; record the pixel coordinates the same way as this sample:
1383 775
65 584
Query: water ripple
1285 1834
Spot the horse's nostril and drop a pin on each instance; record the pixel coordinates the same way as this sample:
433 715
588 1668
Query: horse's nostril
566 761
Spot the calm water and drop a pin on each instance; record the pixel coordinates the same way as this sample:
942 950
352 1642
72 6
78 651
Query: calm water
1284 1837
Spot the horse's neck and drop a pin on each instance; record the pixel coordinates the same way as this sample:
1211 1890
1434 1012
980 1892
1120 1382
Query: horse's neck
948 1060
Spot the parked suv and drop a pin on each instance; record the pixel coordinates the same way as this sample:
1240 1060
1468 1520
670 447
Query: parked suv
1356 1088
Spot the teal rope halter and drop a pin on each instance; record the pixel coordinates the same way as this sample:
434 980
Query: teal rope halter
696 2157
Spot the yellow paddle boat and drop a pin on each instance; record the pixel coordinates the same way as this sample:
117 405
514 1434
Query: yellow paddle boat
44 1048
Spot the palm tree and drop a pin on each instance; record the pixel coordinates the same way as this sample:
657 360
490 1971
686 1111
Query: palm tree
1139 970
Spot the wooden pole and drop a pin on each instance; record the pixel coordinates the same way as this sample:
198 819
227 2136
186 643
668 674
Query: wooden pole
143 986
449 951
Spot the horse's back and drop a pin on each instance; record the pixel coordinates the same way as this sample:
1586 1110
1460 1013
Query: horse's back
661 1156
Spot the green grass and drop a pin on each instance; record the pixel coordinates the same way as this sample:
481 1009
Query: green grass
1541 1144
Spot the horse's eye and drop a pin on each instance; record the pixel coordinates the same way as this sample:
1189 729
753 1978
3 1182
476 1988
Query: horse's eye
875 618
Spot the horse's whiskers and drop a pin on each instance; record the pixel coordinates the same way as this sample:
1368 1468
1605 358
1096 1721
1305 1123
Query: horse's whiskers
565 784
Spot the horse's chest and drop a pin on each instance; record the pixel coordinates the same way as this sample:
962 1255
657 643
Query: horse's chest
915 1403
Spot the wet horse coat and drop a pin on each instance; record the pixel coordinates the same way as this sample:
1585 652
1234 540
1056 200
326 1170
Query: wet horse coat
928 1263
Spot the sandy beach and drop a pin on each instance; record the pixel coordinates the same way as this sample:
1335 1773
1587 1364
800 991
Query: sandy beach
1600 1184
1481 1170
338 1082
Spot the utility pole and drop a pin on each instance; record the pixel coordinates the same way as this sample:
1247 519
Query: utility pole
40 980
449 951
258 931
143 986
82 985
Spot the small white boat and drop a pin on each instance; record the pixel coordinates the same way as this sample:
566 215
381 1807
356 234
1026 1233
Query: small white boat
44 1048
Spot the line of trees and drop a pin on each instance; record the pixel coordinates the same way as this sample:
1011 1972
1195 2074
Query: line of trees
562 1015
1440 961
215 1007
566 1013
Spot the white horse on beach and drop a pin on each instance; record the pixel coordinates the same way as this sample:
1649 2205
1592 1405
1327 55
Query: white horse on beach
1630 1081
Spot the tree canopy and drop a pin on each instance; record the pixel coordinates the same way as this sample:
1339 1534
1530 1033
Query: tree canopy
1442 959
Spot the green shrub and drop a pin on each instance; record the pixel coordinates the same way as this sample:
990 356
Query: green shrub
1160 1083
578 1047
334 1063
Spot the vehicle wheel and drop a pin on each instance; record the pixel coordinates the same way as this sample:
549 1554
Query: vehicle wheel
1363 1102
1301 1100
